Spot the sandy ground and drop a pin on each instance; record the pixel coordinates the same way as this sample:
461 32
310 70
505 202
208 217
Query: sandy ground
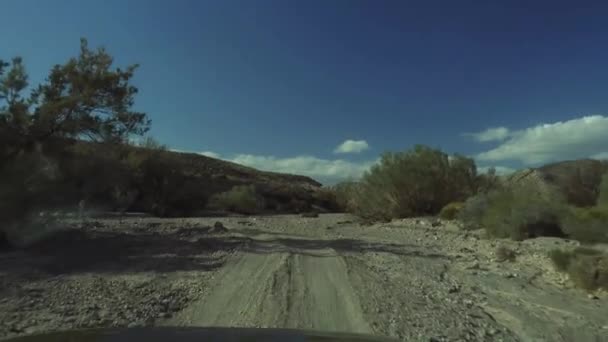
408 279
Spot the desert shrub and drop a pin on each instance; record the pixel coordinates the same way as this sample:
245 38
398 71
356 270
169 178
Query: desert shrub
602 198
166 191
28 183
488 181
582 272
420 181
451 210
587 225
504 253
521 213
472 211
346 195
241 199
151 143
561 259
586 267
326 197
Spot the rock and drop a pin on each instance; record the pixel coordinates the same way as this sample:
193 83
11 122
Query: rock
218 227
454 289
474 266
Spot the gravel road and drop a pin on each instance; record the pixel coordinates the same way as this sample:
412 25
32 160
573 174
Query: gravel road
413 280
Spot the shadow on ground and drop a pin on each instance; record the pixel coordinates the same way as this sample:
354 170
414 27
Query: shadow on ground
183 249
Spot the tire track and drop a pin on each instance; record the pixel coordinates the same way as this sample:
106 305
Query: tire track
287 289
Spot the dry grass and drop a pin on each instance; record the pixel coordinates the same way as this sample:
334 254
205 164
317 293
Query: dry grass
586 267
451 210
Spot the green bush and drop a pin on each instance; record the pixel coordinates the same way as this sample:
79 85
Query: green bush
521 213
346 194
420 181
451 210
241 199
471 213
488 181
587 225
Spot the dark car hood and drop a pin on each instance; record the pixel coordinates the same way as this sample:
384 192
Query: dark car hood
190 334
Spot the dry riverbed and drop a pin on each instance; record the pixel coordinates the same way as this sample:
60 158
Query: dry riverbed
409 279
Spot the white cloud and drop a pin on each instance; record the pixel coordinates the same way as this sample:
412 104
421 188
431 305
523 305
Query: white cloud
352 146
490 134
572 139
210 154
500 170
324 170
600 156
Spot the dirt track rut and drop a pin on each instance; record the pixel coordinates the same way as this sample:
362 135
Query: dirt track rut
290 289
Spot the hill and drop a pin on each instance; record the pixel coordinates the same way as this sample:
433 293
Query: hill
119 177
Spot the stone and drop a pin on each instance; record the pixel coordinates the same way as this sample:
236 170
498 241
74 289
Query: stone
218 227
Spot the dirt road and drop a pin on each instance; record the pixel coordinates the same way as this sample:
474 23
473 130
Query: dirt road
289 288
409 279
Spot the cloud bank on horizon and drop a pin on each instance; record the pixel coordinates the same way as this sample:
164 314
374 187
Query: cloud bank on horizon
583 137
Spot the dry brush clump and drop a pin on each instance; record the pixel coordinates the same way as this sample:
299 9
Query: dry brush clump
586 267
242 199
522 212
451 210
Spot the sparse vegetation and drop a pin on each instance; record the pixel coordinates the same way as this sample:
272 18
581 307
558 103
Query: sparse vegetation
74 138
241 199
471 213
587 225
521 213
586 267
451 210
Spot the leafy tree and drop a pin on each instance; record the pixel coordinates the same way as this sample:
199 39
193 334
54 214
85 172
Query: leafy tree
84 98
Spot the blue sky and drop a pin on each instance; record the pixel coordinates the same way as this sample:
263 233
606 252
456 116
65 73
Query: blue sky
323 87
